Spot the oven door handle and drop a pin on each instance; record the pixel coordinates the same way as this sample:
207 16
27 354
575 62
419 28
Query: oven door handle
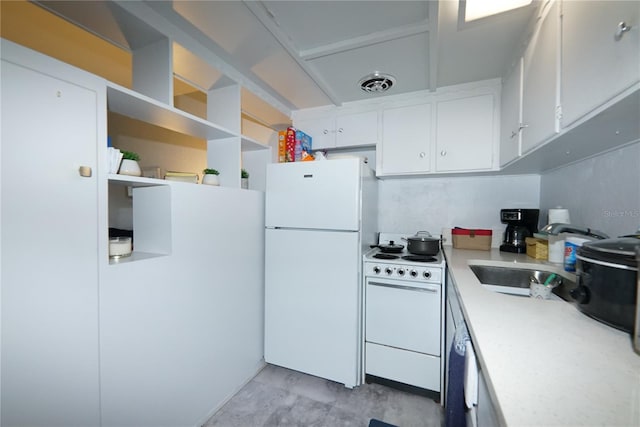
407 288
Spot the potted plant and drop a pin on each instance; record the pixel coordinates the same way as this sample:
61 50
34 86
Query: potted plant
129 164
210 177
244 178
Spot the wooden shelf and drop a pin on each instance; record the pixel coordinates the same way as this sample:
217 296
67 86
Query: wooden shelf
250 144
135 181
132 104
135 256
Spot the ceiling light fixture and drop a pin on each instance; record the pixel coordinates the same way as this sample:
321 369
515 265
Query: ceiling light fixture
377 82
476 9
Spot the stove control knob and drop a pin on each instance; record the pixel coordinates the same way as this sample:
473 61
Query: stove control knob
426 274
376 269
388 270
401 272
413 273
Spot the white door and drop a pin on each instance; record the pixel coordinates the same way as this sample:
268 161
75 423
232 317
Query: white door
511 115
357 129
406 140
403 316
316 195
595 66
312 303
541 90
464 135
49 251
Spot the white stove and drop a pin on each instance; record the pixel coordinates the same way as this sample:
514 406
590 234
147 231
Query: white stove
404 298
402 265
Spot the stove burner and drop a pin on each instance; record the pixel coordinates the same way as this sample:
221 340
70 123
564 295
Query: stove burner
385 256
419 258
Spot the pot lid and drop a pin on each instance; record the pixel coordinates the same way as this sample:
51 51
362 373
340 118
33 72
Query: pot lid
391 245
618 250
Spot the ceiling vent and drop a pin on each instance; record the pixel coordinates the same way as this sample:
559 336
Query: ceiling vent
377 82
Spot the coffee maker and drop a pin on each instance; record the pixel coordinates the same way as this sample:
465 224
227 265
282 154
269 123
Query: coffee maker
521 223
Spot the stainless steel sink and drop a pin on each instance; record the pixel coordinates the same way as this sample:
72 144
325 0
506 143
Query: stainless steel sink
516 281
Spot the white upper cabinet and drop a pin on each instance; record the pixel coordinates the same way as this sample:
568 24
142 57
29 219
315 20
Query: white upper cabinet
321 130
357 129
406 140
597 65
511 115
465 134
454 130
341 130
541 72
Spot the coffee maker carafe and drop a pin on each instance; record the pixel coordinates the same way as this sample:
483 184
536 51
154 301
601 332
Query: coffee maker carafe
521 223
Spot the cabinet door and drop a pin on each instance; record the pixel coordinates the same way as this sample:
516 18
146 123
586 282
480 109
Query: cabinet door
353 130
406 140
49 251
595 66
511 115
464 136
322 132
540 86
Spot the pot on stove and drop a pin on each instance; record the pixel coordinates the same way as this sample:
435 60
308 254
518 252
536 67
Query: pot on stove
423 244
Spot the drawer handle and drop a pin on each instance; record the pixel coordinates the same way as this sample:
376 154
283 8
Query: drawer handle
407 288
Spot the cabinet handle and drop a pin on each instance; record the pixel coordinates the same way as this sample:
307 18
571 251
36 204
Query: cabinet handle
340 130
422 154
326 131
622 28
85 171
443 153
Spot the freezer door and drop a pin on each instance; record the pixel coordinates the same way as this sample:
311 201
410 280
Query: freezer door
312 303
316 195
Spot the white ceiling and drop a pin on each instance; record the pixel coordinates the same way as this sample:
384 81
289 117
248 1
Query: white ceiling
301 54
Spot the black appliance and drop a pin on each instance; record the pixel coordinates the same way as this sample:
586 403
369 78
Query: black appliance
521 223
606 272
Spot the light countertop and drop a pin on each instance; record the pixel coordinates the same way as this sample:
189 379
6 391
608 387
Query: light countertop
545 362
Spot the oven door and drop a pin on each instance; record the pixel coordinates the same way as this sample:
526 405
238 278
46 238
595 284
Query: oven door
404 315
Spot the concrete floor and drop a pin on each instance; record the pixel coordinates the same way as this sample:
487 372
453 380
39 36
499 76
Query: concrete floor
282 397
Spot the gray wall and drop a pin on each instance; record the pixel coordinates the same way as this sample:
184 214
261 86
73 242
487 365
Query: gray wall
602 192
412 204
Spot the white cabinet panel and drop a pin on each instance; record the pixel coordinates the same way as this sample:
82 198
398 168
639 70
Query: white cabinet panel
50 250
595 66
511 115
541 87
341 130
321 131
358 129
464 135
406 140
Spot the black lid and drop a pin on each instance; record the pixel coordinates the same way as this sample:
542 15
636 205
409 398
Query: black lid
620 250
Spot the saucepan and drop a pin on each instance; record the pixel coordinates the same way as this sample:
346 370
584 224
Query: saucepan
423 244
389 248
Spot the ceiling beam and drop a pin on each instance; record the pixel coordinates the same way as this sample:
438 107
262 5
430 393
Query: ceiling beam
363 41
266 17
433 45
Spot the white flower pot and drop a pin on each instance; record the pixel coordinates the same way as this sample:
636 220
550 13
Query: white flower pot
244 183
210 179
130 167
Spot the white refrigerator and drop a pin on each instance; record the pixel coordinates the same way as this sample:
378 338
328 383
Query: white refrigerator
320 216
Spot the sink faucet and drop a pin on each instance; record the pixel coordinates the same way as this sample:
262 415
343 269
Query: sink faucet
557 228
